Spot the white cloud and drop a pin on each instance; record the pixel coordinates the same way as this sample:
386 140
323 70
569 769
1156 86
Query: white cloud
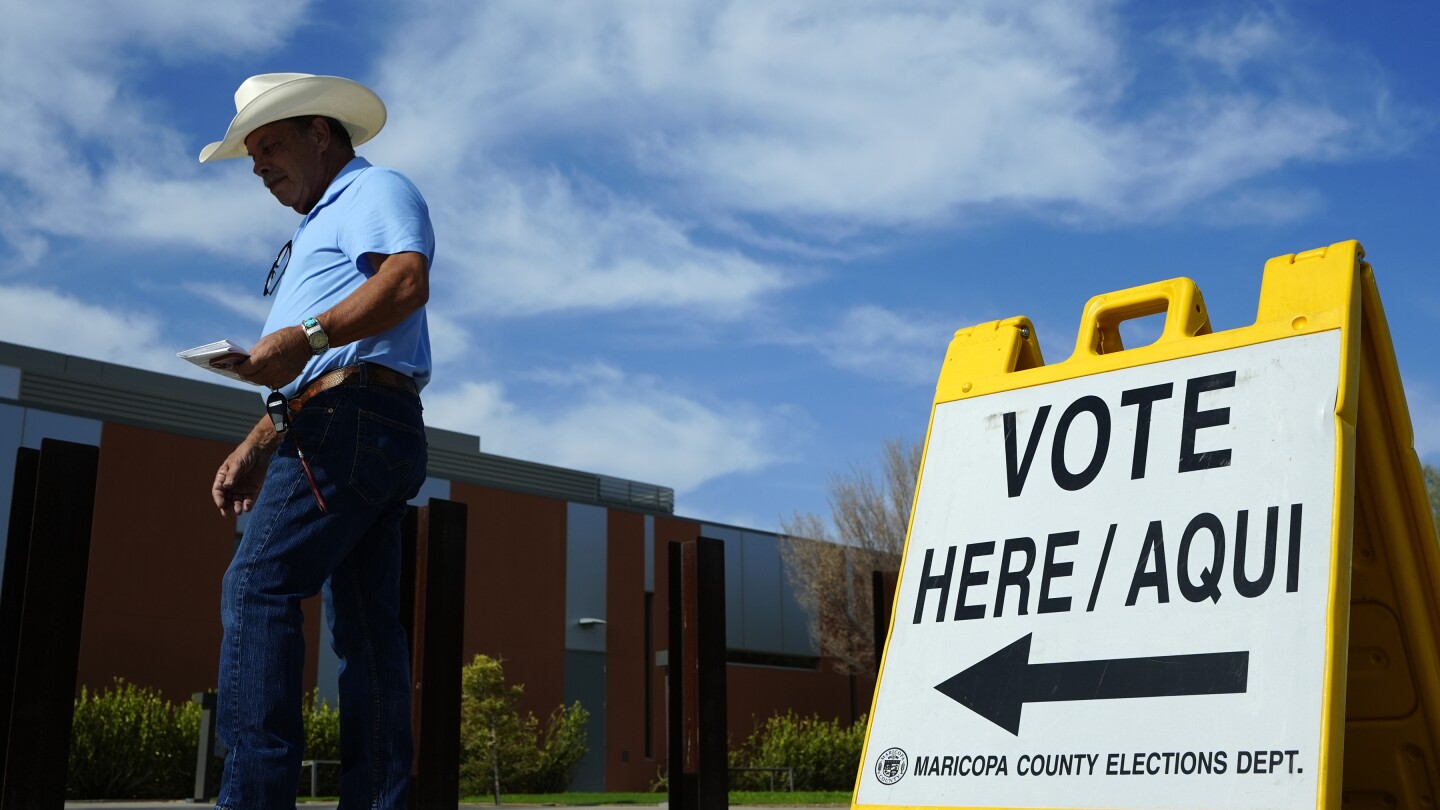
232 297
95 32
1232 44
872 340
54 321
61 323
87 154
700 124
519 245
212 209
450 343
881 114
605 421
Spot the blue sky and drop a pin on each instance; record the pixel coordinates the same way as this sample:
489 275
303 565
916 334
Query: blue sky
722 246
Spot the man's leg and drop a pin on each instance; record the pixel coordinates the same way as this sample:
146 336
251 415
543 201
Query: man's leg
375 737
290 548
262 655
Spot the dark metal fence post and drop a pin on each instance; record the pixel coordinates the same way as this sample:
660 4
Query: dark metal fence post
437 558
882 600
46 652
12 590
204 747
699 777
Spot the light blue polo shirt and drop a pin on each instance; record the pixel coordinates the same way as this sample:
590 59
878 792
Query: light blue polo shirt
366 209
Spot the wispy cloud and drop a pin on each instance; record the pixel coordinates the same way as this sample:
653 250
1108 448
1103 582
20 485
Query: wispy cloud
700 160
232 297
904 347
601 419
878 114
86 153
57 322
522 245
1232 41
696 125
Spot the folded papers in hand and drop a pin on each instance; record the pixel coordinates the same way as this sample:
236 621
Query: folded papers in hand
219 357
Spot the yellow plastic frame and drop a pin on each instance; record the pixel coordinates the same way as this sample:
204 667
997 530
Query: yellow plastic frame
1392 762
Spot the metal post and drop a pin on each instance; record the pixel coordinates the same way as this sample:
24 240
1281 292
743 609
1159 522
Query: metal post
882 599
698 772
437 656
48 650
12 591
204 747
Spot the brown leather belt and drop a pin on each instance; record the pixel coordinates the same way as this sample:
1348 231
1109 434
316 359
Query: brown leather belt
358 374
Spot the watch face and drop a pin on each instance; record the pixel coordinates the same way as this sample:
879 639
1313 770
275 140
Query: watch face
319 341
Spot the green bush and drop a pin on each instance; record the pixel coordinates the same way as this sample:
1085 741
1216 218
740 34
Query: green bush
129 742
560 749
322 741
502 751
824 755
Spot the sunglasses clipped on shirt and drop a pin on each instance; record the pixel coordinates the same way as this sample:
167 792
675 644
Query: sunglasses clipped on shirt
282 261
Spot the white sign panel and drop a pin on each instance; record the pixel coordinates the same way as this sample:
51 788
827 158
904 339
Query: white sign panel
1116 592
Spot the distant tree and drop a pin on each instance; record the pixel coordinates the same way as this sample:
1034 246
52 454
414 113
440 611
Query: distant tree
1432 486
831 574
505 751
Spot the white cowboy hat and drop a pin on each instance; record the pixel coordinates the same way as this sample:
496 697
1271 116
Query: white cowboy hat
272 97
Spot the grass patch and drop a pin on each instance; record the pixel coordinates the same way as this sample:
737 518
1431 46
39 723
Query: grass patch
737 797
799 797
574 799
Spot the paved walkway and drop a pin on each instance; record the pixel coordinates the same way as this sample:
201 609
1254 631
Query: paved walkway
327 806
187 805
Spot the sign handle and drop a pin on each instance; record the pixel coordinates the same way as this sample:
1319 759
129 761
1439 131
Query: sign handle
1178 298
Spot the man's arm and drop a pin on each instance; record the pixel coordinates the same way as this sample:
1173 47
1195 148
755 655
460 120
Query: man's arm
237 482
399 287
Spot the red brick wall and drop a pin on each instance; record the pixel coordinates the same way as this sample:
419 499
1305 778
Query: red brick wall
157 552
515 589
159 549
626 767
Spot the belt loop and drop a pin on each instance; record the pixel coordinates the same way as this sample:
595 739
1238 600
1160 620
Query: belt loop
364 375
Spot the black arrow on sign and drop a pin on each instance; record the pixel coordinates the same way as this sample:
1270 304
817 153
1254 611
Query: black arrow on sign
1000 685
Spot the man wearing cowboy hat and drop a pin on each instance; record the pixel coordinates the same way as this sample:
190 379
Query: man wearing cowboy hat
327 472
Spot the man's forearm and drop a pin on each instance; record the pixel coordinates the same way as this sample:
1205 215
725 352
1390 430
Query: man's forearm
399 287
263 435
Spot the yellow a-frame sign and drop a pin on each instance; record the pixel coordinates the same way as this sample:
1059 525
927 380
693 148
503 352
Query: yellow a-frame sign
1196 574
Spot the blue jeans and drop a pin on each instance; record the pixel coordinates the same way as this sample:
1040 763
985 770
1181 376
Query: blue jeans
366 448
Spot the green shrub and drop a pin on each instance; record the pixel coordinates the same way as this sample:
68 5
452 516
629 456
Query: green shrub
502 751
322 741
560 750
824 755
129 742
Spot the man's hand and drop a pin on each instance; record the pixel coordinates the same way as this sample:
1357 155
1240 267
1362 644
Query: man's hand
277 359
237 482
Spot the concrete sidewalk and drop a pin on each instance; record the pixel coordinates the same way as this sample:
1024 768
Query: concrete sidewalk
182 804
185 805
178 804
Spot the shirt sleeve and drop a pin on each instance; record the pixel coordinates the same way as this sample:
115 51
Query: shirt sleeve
389 216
